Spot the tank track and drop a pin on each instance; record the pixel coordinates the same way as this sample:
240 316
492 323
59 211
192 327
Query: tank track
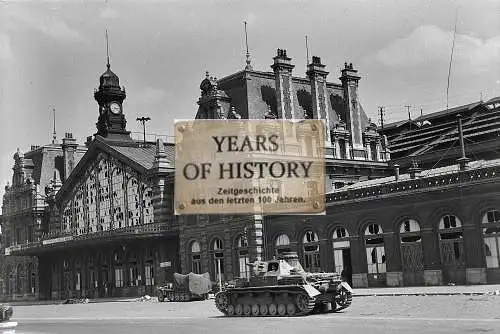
283 303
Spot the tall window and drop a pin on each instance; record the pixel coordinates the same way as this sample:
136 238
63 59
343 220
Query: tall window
78 211
491 235
133 276
341 246
375 249
67 217
119 272
282 244
217 252
243 256
91 202
148 272
147 204
196 257
118 198
134 205
103 196
310 244
20 279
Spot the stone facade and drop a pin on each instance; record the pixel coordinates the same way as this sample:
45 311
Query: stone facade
24 209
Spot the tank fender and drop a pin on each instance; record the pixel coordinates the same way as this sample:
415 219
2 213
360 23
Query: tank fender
311 291
346 286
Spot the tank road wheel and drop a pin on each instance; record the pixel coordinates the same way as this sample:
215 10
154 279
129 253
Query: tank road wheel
272 309
161 298
263 309
247 310
255 310
230 310
281 309
302 303
290 309
238 310
343 299
222 301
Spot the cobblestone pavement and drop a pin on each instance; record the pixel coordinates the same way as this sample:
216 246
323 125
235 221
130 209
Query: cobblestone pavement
411 314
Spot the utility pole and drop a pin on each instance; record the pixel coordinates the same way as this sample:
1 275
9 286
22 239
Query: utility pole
143 120
409 115
382 113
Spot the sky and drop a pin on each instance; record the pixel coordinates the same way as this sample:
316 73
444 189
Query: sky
53 52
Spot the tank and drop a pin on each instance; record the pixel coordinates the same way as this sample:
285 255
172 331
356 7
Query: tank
186 288
282 288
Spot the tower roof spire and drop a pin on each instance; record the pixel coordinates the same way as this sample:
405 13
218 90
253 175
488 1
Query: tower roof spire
107 50
248 67
54 136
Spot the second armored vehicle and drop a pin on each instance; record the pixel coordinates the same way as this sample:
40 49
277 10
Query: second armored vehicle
186 288
282 288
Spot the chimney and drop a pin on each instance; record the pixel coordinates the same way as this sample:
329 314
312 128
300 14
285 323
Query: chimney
396 172
69 146
317 77
282 68
161 161
350 81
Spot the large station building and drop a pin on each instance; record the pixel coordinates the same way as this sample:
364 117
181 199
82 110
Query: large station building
401 209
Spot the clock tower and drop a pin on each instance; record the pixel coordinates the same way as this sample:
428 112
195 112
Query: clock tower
111 123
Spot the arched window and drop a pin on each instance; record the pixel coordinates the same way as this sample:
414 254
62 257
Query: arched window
310 244
341 250
412 258
147 204
491 236
282 244
196 257
118 198
217 255
243 256
409 231
375 249
452 249
134 205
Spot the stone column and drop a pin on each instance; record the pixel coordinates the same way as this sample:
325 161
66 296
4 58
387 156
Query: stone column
347 149
393 260
474 257
358 260
368 149
433 274
337 147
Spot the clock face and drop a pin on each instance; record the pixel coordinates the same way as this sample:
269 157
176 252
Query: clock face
115 108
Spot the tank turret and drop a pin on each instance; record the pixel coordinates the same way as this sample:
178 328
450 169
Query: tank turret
282 287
